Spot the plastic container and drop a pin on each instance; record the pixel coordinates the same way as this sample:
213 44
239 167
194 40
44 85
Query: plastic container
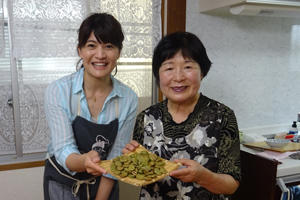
293 128
294 131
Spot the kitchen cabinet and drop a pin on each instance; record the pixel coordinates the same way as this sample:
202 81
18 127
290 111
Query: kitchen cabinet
265 8
260 175
258 178
208 5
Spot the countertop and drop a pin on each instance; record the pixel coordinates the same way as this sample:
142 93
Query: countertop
289 166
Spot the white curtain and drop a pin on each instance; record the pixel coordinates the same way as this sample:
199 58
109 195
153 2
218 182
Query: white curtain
45 28
44 39
2 44
48 28
141 21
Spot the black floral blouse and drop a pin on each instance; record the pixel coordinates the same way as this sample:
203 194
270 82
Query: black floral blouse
209 136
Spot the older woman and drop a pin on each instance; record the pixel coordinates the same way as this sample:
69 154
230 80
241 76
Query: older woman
188 127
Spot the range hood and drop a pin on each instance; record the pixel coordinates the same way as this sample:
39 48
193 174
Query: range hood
270 8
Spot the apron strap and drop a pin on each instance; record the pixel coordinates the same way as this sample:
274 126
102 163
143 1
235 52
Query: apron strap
76 185
78 104
116 109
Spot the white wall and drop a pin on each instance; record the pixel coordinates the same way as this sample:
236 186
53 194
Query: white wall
256 64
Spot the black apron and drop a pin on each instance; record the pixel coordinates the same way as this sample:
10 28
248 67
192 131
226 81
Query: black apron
59 184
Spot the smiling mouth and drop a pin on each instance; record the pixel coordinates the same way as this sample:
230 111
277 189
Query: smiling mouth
99 64
179 89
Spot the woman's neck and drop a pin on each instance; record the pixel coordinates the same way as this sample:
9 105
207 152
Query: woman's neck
96 88
181 111
96 85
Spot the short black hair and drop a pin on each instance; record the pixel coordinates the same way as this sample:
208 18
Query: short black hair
190 46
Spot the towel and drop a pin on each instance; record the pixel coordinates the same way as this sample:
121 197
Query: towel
293 193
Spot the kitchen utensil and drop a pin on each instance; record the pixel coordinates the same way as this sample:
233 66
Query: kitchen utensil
277 143
295 155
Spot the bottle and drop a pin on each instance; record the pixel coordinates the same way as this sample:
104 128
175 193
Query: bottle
294 131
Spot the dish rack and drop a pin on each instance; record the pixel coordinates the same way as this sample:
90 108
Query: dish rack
285 180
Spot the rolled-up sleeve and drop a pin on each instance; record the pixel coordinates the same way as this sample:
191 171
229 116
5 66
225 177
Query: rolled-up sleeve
62 142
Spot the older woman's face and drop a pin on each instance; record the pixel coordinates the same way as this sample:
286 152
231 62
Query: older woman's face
180 79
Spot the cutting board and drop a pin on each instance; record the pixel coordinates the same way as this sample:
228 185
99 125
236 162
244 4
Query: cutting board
292 146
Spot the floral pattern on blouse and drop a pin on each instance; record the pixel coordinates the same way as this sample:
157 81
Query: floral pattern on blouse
209 136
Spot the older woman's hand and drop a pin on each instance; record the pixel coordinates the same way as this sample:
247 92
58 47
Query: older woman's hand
195 172
192 172
130 146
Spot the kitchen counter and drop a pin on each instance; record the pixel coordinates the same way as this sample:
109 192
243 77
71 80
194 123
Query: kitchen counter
265 178
286 174
289 166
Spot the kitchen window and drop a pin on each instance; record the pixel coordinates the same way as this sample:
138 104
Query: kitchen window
40 47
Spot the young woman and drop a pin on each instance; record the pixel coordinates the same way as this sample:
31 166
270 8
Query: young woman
90 115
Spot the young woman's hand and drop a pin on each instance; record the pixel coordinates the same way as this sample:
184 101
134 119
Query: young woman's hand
90 162
130 146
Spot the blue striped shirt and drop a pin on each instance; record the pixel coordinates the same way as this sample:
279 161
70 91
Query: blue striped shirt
61 108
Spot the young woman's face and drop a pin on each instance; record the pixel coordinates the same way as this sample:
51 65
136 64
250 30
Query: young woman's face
99 59
180 79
